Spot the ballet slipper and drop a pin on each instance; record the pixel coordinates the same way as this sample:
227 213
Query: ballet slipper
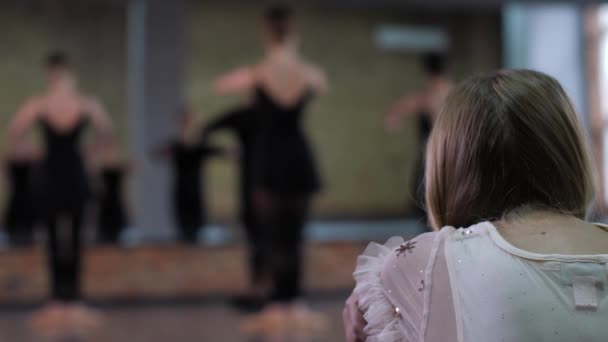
84 318
270 322
50 320
303 319
48 315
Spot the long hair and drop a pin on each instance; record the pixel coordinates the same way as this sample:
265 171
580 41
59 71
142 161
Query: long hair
502 141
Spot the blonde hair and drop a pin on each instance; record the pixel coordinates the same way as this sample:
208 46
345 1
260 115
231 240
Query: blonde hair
503 141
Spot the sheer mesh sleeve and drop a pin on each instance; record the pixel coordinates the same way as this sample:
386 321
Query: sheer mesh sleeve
393 287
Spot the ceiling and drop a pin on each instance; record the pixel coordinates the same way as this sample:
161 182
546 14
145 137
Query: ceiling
436 5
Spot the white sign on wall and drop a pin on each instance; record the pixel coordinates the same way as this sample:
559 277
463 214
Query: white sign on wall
404 38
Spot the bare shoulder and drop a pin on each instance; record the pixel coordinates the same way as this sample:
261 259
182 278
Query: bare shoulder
256 67
257 70
582 238
34 101
95 110
32 106
555 235
315 76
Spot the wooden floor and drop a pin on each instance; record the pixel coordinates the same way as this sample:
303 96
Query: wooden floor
168 293
171 271
170 323
175 271
158 293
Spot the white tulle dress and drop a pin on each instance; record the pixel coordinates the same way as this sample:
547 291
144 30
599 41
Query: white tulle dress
470 285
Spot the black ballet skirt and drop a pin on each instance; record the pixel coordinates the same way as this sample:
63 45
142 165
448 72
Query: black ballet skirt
188 182
64 185
112 214
285 162
20 210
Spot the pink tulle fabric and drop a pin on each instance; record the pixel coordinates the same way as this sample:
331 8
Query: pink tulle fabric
470 285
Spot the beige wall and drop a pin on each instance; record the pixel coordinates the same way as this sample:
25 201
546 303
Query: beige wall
94 37
366 171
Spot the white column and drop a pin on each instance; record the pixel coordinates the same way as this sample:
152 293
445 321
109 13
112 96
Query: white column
156 44
549 38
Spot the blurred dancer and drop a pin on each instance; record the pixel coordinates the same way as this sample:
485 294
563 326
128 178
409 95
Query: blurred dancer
424 106
21 212
243 123
112 215
187 153
285 174
63 114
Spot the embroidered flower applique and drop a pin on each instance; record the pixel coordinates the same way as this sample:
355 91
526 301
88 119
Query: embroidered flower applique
406 247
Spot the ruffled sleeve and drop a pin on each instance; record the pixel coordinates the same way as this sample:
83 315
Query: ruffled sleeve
392 287
379 312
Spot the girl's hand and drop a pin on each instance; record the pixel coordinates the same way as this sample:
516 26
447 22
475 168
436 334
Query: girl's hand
354 323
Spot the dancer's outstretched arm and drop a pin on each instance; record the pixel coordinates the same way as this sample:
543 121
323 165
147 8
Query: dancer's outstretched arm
407 106
238 81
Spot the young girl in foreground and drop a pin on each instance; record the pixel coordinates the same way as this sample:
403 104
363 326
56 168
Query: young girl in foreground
507 160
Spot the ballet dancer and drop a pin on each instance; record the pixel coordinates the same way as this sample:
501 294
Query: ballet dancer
422 105
188 153
62 113
285 175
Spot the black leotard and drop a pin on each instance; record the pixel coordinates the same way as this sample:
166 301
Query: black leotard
65 185
286 164
64 193
285 169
